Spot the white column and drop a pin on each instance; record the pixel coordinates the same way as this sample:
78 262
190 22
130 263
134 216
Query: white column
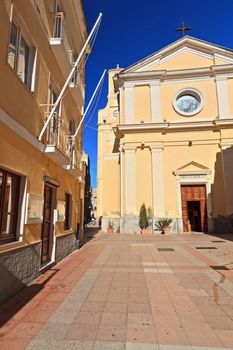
129 104
130 181
222 96
121 150
158 181
155 101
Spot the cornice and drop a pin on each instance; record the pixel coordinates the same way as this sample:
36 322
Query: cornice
163 75
167 127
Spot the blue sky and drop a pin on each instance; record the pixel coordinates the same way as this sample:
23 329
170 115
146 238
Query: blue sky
133 29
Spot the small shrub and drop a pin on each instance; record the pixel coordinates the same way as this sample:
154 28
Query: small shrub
163 223
143 218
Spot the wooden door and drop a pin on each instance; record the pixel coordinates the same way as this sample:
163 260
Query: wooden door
189 195
47 226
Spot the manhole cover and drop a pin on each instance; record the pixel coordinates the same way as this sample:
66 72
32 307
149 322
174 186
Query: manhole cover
219 267
206 248
165 249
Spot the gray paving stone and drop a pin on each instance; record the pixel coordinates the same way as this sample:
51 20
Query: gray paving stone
61 345
63 317
137 346
104 255
174 347
99 345
53 332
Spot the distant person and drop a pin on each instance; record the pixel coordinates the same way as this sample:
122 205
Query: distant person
100 222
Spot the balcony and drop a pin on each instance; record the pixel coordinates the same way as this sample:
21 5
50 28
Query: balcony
77 88
59 144
75 165
60 44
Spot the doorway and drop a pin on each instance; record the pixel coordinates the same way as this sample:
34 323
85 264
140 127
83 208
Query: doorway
194 211
194 215
48 225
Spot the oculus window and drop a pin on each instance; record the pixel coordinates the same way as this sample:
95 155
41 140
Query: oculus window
188 102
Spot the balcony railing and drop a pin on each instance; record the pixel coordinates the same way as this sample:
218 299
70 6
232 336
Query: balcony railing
77 87
58 138
61 33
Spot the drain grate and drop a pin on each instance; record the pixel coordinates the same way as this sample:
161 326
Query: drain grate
206 248
218 241
219 267
166 249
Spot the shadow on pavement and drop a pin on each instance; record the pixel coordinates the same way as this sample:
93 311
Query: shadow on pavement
90 232
225 236
14 304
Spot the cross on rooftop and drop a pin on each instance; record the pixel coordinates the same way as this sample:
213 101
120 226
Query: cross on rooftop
182 28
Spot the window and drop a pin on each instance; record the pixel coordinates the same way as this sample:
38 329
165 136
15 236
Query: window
58 22
20 55
68 211
188 102
72 127
9 200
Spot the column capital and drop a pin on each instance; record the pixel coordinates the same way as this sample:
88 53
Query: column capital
156 82
220 77
225 145
129 84
129 149
156 148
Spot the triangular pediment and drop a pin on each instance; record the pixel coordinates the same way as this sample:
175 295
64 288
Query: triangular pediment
185 53
192 168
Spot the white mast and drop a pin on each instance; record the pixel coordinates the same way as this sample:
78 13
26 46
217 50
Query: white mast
69 77
89 104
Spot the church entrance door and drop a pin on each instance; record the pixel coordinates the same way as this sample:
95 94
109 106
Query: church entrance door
194 211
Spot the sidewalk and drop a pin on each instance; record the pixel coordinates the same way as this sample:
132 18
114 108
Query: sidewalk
129 292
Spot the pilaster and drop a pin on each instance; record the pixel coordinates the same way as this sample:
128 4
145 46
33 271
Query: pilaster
130 181
222 96
157 180
129 103
155 101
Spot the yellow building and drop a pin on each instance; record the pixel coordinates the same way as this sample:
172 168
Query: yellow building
41 183
165 138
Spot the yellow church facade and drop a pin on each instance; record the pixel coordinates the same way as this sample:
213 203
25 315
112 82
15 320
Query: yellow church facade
165 139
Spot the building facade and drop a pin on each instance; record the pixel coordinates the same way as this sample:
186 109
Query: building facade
165 139
94 203
87 190
41 182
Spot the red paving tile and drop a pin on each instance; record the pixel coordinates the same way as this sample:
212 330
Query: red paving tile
226 337
111 333
14 344
88 318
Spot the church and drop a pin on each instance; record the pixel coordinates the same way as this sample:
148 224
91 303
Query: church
165 139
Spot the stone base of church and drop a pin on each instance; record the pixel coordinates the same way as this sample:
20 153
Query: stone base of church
223 224
131 225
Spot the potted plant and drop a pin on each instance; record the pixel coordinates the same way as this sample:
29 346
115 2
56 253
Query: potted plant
164 225
143 220
110 227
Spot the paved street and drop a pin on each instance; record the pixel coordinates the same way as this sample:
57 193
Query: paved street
129 292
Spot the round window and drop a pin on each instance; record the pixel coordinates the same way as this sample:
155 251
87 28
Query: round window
188 102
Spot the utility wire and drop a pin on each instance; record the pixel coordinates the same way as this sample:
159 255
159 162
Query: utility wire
95 104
